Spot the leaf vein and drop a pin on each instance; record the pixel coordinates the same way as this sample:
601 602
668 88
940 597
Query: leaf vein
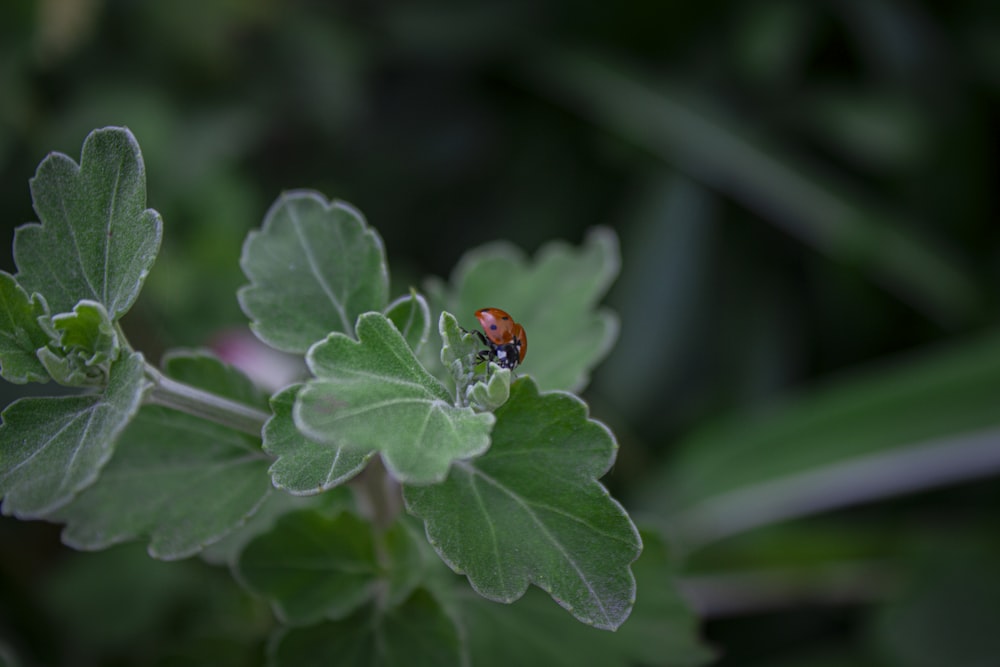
315 270
548 535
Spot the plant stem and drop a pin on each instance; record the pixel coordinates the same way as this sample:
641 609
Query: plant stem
378 494
200 403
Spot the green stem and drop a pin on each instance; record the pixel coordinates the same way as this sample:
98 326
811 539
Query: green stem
206 405
378 494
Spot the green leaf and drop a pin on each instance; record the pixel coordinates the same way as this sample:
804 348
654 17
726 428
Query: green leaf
554 297
180 481
372 394
913 425
312 566
313 267
97 240
52 448
304 466
661 630
20 332
412 317
85 344
227 550
531 511
417 633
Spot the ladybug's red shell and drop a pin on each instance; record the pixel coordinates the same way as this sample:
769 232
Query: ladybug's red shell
497 325
505 336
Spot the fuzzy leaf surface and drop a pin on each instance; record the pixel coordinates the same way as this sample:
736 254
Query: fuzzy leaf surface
373 394
304 466
179 481
52 448
20 333
314 266
97 240
554 296
531 510
417 633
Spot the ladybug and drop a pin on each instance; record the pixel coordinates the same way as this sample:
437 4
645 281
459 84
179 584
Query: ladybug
505 338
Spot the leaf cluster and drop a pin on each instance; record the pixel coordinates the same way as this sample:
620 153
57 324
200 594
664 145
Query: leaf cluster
501 468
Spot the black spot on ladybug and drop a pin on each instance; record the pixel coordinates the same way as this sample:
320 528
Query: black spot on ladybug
493 327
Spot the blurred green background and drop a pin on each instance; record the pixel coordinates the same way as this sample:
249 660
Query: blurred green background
807 384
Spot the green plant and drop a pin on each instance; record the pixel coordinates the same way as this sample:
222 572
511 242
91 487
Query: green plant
501 471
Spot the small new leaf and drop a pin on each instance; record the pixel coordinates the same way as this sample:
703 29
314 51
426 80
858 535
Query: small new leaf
531 511
97 240
313 267
52 448
373 394
180 481
84 346
303 466
485 392
21 335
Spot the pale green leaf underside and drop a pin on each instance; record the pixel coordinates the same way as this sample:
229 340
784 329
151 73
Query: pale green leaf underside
313 267
20 333
531 511
178 480
52 448
412 317
374 395
303 466
97 240
554 296
311 566
417 633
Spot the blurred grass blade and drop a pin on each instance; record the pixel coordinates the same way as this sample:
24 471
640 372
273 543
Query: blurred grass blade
700 140
899 471
919 425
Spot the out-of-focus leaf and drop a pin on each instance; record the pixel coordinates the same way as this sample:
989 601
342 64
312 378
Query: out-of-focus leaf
917 425
554 297
417 633
947 611
313 267
312 566
21 334
97 240
412 317
227 550
180 481
701 141
372 394
660 631
530 511
52 448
